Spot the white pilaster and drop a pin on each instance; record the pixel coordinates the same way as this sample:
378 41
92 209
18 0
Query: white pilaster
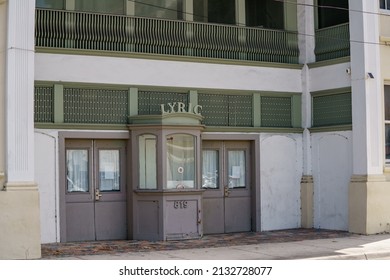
306 31
367 107
20 91
305 15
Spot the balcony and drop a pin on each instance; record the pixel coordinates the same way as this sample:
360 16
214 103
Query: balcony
332 42
101 32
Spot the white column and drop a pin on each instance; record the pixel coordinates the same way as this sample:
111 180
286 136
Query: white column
20 91
19 200
3 35
367 107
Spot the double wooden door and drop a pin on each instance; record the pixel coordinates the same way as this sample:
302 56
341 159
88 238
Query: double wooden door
94 190
226 173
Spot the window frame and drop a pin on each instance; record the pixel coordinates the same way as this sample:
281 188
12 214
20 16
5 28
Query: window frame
386 122
386 3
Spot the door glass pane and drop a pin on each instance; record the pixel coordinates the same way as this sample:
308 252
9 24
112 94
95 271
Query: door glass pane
236 169
210 169
180 161
147 162
109 171
77 171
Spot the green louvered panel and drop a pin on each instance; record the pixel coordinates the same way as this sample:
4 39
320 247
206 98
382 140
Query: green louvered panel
95 106
276 111
43 104
149 102
332 109
226 110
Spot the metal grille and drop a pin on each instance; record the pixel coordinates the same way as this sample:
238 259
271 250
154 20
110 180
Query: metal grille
95 106
44 104
276 111
226 110
149 102
332 109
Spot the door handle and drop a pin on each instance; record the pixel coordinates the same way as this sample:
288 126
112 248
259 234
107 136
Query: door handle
227 191
97 194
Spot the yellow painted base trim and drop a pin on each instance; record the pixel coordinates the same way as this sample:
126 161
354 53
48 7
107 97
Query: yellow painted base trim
307 201
369 204
20 236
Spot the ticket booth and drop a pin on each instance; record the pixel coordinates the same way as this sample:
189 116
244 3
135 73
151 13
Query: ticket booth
166 194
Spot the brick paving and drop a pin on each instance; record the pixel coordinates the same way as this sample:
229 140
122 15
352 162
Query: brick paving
70 249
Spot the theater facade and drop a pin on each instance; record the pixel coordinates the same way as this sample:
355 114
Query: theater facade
171 120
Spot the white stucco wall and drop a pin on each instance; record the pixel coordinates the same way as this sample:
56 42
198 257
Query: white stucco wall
332 171
46 170
330 77
145 72
280 171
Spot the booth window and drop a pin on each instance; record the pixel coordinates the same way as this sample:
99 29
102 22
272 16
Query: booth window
147 162
180 150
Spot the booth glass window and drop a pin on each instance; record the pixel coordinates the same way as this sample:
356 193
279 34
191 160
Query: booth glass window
180 161
147 162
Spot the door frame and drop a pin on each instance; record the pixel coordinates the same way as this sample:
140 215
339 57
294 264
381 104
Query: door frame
254 140
92 135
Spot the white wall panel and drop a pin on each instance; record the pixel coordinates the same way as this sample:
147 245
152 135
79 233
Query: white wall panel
332 170
281 172
46 176
330 77
130 71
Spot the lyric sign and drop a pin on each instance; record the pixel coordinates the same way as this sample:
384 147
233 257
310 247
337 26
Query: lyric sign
180 107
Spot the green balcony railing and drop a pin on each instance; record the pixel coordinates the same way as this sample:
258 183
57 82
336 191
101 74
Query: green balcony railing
332 42
90 31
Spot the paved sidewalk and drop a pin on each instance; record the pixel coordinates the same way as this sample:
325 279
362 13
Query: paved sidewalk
274 245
